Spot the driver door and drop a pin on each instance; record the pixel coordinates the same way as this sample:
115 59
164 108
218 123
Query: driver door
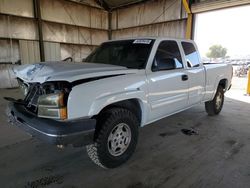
168 81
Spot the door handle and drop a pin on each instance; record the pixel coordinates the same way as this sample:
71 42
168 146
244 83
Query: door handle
184 77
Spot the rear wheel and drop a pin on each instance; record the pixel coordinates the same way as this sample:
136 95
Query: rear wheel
214 107
116 140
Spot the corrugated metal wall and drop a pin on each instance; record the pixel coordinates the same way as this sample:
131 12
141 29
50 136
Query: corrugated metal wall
73 23
52 51
29 51
152 18
9 52
70 29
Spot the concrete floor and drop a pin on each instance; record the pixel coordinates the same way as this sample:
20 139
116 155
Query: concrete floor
165 157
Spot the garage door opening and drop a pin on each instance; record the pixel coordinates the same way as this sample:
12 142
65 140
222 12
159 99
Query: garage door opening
223 36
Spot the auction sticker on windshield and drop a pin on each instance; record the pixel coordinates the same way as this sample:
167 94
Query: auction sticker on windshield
142 41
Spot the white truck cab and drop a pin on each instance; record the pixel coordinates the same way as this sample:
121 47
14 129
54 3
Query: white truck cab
123 85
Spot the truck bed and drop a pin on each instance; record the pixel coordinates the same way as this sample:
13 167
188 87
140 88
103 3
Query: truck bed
214 73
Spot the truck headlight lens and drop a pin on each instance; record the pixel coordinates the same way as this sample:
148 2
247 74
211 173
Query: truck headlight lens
23 87
52 106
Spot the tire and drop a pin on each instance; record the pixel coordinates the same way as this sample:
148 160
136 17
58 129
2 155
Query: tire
110 150
214 107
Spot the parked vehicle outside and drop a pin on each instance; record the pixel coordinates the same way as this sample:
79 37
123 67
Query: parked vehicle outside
241 70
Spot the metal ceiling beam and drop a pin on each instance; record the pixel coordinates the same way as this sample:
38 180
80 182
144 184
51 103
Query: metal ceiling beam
106 5
204 6
103 4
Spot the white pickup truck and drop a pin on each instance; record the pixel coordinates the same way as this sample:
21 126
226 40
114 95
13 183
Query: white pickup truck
123 85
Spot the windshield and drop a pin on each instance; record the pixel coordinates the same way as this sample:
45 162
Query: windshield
127 53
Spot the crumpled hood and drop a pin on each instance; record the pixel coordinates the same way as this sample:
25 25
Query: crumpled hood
62 71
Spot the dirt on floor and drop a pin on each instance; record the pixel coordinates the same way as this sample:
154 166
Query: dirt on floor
216 156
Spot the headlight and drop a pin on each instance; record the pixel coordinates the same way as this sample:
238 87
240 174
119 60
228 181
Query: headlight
52 106
23 87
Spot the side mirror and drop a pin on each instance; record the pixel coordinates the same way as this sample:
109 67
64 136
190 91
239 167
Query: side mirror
164 64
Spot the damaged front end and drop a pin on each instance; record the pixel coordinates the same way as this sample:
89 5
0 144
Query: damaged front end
47 100
43 113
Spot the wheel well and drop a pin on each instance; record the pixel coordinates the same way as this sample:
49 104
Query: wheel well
223 83
131 104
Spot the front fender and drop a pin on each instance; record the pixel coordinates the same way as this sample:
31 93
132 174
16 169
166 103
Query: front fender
100 103
88 99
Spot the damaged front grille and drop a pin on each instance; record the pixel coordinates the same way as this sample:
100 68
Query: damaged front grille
32 97
35 90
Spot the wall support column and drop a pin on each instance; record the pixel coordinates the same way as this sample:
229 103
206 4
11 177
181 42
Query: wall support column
109 25
189 20
37 13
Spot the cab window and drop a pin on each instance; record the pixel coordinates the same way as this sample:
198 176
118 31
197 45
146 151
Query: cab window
191 54
167 57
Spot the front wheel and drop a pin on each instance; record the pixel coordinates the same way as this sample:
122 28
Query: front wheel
116 140
214 107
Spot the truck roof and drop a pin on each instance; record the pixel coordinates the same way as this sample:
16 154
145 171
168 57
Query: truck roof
153 38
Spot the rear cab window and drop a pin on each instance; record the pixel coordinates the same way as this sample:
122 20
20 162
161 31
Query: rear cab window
191 54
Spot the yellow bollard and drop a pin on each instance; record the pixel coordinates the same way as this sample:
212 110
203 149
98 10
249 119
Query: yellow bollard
248 82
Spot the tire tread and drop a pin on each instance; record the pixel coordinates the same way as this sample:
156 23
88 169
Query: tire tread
96 151
210 105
